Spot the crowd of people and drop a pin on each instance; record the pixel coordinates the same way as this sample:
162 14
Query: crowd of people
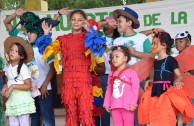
101 79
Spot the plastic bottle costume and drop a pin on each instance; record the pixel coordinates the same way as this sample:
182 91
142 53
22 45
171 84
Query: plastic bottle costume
163 107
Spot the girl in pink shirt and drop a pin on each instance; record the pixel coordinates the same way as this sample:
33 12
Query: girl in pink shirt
123 89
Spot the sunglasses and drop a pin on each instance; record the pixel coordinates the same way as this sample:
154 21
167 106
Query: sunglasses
155 31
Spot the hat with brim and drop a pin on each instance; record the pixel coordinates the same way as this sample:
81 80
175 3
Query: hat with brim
50 21
131 14
11 40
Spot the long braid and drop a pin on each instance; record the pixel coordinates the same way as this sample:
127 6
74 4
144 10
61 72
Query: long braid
19 68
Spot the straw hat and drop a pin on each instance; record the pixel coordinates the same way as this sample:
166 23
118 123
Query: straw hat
128 13
10 40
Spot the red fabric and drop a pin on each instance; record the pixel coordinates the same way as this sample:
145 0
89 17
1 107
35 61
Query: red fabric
162 111
77 92
118 77
143 68
94 23
96 81
97 111
186 62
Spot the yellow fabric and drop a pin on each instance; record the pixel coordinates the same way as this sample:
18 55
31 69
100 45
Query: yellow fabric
99 59
94 60
97 92
53 49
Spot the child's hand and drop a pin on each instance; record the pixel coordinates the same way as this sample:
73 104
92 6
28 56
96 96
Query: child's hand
64 11
4 89
6 94
112 23
20 11
8 91
132 51
46 28
132 108
178 84
43 90
160 30
148 83
107 109
86 26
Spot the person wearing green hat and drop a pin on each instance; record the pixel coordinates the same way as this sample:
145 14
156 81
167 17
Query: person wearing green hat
28 21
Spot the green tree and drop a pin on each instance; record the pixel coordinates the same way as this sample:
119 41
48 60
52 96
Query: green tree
72 4
85 4
11 4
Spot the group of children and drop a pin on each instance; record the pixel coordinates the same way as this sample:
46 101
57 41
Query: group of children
119 81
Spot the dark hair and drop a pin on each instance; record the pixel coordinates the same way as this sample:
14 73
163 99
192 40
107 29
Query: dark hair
165 38
127 19
189 36
125 50
21 52
80 12
115 34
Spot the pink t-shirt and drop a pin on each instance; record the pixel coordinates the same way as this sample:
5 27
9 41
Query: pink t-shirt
123 94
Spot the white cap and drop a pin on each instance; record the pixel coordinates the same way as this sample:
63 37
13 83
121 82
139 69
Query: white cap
182 34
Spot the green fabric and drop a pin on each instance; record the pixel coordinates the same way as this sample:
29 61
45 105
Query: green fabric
146 46
2 63
130 35
19 102
13 33
100 33
50 58
2 113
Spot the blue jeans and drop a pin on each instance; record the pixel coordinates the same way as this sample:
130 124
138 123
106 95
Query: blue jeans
97 120
105 119
44 110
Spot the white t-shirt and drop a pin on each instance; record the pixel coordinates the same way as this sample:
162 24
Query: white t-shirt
107 65
11 73
42 68
175 54
138 41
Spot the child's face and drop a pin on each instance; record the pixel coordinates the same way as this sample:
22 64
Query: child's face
13 54
108 29
157 47
122 25
182 43
118 58
31 37
77 22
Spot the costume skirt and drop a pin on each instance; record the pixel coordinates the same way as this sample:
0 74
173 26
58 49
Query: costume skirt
162 111
20 102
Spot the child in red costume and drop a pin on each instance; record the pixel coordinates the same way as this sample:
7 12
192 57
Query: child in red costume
161 103
77 93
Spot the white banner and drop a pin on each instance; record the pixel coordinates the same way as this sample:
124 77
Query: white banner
171 15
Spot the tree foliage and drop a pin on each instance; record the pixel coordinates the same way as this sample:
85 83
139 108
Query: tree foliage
85 4
11 4
72 4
